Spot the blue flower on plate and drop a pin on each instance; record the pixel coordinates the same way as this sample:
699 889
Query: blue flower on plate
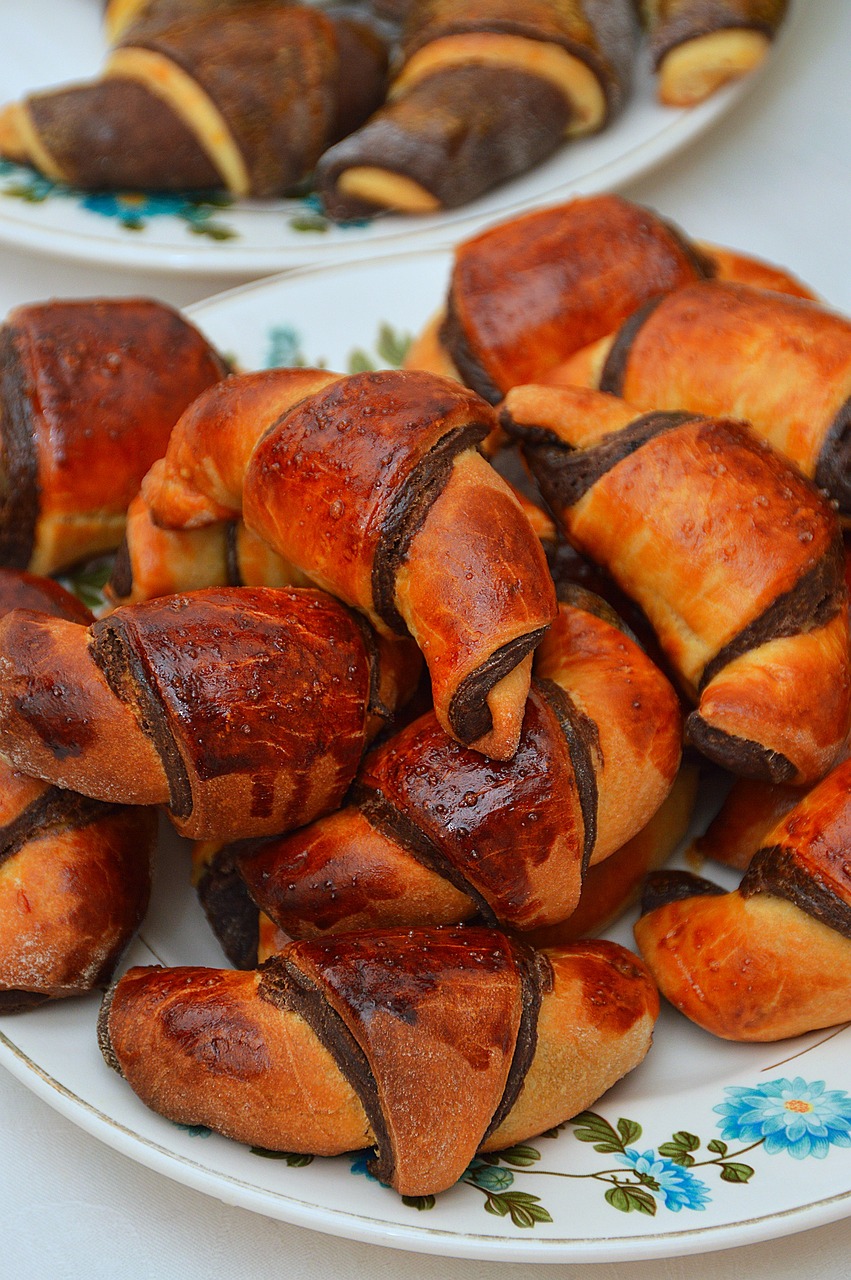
803 1118
488 1176
133 210
677 1186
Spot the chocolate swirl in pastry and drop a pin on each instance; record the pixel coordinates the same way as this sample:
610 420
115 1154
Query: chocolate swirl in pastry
436 834
483 92
770 959
700 45
735 558
428 1044
75 875
89 393
244 711
244 98
398 515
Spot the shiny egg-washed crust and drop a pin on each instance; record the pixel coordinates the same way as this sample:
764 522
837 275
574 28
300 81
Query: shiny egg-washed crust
242 97
401 517
781 363
244 710
770 959
699 45
734 557
428 1044
749 811
482 93
434 833
89 392
75 875
527 294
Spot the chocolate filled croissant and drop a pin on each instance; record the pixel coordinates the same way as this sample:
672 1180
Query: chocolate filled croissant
528 293
244 98
244 711
398 515
781 363
483 92
75 875
770 959
735 558
89 393
699 45
435 833
428 1044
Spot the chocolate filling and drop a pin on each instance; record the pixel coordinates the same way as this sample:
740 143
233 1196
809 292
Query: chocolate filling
663 887
126 674
473 374
375 706
52 810
386 818
121 577
19 1001
285 987
565 474
582 741
19 492
833 468
811 603
408 513
536 978
776 871
105 1045
740 756
613 373
233 573
232 912
469 715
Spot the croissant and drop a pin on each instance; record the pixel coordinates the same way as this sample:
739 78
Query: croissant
428 1044
483 91
698 46
124 17
244 98
770 959
781 363
735 558
75 875
244 711
89 393
749 811
400 516
435 833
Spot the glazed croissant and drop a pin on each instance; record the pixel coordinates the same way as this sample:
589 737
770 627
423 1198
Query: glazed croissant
75 875
89 393
735 558
241 97
697 46
244 711
437 834
482 92
770 959
399 515
781 363
428 1044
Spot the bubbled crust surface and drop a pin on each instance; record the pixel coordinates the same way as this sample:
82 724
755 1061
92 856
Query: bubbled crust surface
527 294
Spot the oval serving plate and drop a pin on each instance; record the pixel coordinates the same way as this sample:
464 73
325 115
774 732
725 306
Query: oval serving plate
707 1145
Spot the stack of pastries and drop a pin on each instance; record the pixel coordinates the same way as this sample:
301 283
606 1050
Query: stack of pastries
410 107
430 729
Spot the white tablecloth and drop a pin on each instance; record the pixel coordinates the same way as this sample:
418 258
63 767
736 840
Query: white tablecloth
774 177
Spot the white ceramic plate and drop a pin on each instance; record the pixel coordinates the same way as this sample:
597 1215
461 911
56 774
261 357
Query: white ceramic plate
48 42
548 1201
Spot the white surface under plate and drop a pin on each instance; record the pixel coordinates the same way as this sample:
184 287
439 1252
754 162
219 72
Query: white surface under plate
559 1198
50 42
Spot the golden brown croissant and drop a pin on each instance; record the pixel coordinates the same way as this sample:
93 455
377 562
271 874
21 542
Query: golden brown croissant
482 92
75 875
700 45
89 393
399 515
242 97
781 363
437 834
770 959
244 710
428 1044
732 554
